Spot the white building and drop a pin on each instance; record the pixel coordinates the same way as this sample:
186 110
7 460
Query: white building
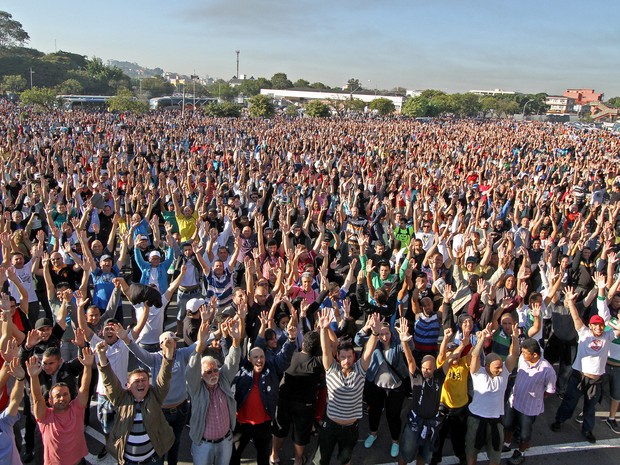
330 95
492 92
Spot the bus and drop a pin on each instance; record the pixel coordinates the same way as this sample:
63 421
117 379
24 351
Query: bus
176 101
86 102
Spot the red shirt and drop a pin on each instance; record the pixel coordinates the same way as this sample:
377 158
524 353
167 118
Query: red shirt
253 411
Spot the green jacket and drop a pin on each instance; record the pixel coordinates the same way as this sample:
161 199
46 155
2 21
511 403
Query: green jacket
158 429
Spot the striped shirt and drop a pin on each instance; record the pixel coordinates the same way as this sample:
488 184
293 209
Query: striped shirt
426 333
344 393
139 447
221 288
530 386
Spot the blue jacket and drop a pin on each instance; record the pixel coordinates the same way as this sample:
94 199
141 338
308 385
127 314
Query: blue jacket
145 267
269 381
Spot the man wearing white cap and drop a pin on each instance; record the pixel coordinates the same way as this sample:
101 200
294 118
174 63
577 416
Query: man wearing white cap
155 271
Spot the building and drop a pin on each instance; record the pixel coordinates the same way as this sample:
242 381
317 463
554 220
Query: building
602 113
583 96
305 95
492 92
559 105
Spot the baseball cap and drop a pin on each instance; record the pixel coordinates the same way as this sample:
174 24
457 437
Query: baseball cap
105 257
154 253
141 237
194 304
597 320
471 259
229 311
167 335
110 322
43 323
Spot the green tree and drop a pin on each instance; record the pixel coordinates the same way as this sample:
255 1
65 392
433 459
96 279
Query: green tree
383 106
69 87
466 104
249 87
317 109
222 110
11 32
281 81
508 107
39 97
291 110
125 101
301 83
13 83
416 107
222 90
355 104
353 85
614 102
158 87
261 106
319 86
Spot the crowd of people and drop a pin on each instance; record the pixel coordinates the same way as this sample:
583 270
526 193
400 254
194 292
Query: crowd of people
320 269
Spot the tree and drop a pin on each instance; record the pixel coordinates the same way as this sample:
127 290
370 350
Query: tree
261 106
13 83
222 110
39 97
466 104
281 81
317 109
416 107
319 86
125 101
249 87
355 104
69 87
291 110
383 106
157 86
488 104
222 90
353 85
301 83
614 102
11 32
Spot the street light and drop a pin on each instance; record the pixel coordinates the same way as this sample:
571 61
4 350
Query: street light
523 113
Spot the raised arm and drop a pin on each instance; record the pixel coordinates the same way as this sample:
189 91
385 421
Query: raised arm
569 302
405 338
475 354
38 402
513 354
87 359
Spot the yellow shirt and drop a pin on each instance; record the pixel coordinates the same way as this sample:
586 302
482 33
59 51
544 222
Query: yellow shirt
187 226
454 390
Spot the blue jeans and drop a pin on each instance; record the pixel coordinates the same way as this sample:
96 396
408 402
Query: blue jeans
571 399
208 453
520 423
176 418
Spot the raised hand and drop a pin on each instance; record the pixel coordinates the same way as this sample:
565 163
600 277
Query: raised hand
600 280
11 350
121 332
101 350
33 366
570 294
87 358
169 347
447 334
80 337
32 339
535 309
325 318
487 332
403 330
16 370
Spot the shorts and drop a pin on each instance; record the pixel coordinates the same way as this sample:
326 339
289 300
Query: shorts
495 456
613 372
105 413
412 445
300 415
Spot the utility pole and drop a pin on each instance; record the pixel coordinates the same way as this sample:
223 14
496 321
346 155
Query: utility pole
31 73
237 52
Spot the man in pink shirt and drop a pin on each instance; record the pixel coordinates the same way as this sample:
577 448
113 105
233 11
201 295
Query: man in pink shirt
62 423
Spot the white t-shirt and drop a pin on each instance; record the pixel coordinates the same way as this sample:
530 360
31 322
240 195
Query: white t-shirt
118 358
488 401
155 322
592 351
25 276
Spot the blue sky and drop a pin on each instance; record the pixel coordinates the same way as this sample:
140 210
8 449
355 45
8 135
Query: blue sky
452 45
